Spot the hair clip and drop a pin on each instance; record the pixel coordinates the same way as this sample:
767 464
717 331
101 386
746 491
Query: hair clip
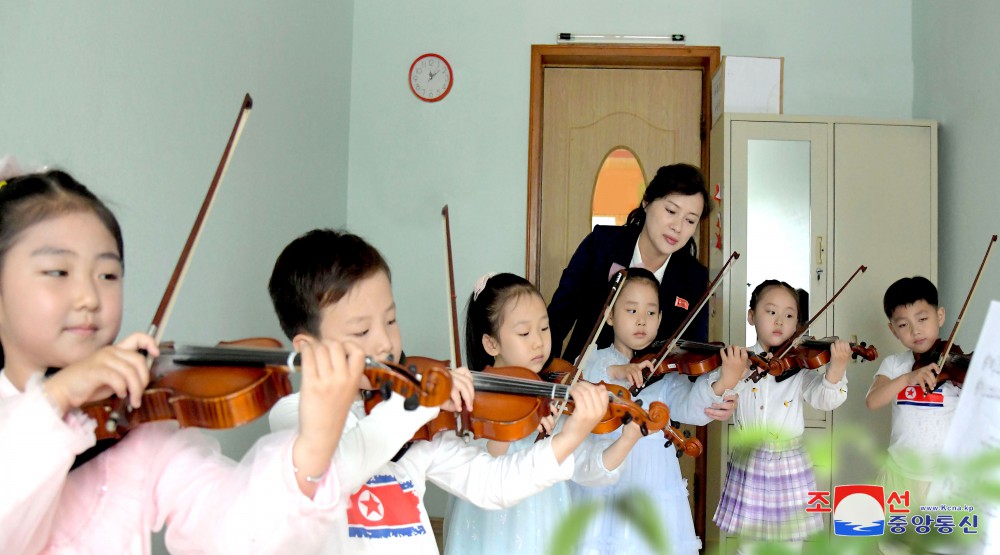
481 284
2 183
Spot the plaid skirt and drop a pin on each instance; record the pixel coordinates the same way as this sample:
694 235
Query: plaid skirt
766 492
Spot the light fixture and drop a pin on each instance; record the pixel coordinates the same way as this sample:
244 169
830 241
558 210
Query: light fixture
676 38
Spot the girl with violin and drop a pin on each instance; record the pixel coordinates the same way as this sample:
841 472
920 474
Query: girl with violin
507 325
658 236
333 285
61 269
922 405
769 474
634 318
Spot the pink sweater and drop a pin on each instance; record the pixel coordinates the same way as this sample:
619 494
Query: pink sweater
157 476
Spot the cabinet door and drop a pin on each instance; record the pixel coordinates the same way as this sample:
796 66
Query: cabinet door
779 195
884 209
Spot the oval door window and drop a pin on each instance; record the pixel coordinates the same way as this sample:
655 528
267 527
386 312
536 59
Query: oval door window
618 188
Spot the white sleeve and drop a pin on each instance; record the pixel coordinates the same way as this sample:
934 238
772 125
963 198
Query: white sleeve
368 442
820 393
686 400
490 482
38 450
589 468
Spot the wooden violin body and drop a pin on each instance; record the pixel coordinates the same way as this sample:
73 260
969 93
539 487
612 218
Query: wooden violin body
235 383
955 367
809 354
560 371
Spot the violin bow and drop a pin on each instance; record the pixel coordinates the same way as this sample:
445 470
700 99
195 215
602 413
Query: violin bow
180 270
756 376
616 289
805 327
162 314
671 344
961 313
464 425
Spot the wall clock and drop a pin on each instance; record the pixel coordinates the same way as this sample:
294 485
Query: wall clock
430 77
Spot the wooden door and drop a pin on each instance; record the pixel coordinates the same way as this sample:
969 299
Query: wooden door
587 114
587 101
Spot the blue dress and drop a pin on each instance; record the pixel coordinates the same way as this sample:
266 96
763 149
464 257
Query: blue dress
524 528
529 526
649 468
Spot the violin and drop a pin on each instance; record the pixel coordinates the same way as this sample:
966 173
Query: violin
811 353
692 358
236 382
511 401
790 357
560 372
955 366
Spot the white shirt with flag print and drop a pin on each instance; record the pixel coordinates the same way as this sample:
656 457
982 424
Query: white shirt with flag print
387 514
920 420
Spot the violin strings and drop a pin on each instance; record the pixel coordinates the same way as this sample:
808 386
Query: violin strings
687 344
507 384
195 355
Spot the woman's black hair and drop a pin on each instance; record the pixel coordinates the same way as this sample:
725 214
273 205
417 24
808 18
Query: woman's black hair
484 314
681 179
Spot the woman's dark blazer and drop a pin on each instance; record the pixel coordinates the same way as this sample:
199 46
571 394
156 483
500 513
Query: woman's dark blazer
584 284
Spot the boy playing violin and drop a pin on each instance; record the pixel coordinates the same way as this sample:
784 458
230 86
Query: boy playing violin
327 284
920 420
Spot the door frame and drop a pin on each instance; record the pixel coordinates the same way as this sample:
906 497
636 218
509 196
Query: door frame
616 56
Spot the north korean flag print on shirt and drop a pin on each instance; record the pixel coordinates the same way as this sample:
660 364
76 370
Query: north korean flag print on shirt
384 508
915 396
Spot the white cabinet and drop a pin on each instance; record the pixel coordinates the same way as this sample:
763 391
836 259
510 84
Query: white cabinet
807 200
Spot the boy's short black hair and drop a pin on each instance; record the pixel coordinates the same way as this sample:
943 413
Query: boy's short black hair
907 291
315 271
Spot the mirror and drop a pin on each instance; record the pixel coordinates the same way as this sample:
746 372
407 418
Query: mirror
618 188
778 208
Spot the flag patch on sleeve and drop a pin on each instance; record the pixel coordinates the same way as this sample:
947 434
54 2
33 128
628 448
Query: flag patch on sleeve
681 303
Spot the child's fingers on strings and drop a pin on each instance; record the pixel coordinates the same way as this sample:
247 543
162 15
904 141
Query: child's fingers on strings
140 342
590 400
462 390
635 375
546 424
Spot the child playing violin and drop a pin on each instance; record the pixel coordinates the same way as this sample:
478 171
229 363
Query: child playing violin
634 318
769 474
61 269
507 325
920 420
333 285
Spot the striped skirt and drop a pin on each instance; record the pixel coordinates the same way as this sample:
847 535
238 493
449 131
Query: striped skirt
766 492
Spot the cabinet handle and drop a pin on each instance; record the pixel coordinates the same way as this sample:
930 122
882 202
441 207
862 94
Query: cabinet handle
819 257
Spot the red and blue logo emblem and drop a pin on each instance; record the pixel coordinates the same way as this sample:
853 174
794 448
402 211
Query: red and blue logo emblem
858 510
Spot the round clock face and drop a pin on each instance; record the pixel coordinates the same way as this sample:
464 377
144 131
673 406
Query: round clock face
430 77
